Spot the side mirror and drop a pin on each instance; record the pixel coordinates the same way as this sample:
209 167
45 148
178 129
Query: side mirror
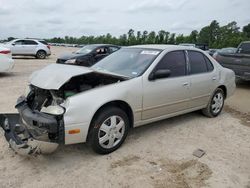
239 50
13 44
161 73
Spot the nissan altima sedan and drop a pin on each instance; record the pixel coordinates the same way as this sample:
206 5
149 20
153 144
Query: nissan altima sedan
132 87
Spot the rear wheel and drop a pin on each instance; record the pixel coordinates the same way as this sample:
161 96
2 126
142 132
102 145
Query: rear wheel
41 54
216 104
108 130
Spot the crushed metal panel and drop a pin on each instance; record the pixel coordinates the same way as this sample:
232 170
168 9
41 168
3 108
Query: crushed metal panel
55 75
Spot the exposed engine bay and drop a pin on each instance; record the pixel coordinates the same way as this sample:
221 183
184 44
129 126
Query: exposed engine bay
39 98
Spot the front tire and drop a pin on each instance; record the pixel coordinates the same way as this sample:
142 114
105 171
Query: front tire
109 129
41 54
215 104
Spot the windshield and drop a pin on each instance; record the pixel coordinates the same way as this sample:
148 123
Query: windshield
129 62
85 49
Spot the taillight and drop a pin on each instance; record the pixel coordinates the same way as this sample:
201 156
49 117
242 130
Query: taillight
48 46
5 52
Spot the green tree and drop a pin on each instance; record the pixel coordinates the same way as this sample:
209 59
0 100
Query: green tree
172 39
193 37
246 31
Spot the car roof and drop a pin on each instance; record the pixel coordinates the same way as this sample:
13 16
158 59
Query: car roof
164 47
100 45
245 42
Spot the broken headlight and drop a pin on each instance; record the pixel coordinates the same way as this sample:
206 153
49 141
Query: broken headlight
54 110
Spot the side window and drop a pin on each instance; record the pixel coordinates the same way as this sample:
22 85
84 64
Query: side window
174 61
245 48
113 49
19 42
30 42
197 62
43 42
101 50
210 66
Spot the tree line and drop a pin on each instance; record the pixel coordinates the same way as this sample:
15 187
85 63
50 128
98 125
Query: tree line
214 35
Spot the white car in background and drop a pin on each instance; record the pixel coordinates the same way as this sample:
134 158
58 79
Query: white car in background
29 47
6 61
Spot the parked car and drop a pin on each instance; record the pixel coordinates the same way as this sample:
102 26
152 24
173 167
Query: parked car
229 50
29 47
6 61
134 86
88 55
238 61
212 51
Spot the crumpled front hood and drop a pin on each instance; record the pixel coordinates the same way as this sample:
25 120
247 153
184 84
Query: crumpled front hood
55 75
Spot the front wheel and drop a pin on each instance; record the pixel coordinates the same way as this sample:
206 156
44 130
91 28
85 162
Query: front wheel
108 130
215 104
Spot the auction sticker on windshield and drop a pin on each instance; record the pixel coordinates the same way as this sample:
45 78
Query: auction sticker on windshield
150 52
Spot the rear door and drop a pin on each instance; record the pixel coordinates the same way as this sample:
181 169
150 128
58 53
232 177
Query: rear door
30 47
167 95
203 78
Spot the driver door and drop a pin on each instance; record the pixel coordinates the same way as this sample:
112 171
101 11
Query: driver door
169 95
17 47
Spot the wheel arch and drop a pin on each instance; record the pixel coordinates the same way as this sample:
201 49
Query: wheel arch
223 87
117 103
41 50
120 104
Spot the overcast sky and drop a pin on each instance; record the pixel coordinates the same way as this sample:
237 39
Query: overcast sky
58 18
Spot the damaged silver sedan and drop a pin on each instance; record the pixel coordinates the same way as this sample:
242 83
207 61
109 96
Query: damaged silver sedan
134 86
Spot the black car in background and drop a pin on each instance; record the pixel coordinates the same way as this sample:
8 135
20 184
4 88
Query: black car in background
88 55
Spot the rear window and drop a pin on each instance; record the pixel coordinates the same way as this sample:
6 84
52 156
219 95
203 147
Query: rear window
210 66
197 62
43 42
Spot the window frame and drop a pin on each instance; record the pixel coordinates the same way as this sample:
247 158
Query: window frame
186 65
204 57
25 40
21 42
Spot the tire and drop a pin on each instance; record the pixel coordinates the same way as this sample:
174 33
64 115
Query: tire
41 54
109 129
215 104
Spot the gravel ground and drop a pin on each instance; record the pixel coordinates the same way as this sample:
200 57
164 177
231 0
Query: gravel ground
156 155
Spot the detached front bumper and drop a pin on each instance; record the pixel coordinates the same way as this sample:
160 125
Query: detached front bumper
31 132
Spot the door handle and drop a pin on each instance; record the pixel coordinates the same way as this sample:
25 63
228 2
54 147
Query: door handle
214 78
185 84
